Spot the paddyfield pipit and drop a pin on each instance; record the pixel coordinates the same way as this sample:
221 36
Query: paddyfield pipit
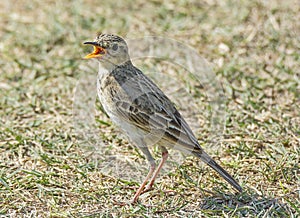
142 110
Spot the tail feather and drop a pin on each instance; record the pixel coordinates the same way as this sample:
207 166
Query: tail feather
210 162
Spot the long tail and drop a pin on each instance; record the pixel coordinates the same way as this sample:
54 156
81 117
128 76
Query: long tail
210 162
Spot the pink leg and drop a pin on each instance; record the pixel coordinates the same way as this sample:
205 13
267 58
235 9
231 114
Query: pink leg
165 155
141 188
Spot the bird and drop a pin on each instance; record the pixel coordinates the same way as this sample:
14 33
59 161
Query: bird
141 109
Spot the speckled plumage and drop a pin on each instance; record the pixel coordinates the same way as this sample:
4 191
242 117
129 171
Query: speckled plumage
143 111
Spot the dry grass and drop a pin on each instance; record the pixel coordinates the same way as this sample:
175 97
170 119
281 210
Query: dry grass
44 167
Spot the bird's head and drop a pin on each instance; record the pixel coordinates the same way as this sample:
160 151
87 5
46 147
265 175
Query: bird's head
109 49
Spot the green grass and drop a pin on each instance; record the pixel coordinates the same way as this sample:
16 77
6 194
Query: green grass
48 168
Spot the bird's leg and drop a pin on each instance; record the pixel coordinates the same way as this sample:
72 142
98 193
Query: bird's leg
141 188
164 154
151 170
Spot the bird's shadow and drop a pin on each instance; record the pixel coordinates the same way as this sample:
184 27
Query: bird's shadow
247 203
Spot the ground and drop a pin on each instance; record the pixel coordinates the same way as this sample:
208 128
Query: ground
46 166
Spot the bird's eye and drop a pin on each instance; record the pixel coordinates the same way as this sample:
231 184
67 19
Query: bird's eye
115 47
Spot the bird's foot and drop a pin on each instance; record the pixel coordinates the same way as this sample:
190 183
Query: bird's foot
147 189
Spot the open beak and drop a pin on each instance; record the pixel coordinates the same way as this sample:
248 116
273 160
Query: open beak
98 51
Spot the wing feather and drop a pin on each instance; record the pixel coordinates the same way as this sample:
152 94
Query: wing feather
148 108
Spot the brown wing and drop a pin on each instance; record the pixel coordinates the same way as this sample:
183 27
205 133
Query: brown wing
148 108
